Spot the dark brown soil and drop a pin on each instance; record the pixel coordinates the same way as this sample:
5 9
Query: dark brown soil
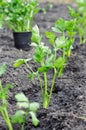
68 103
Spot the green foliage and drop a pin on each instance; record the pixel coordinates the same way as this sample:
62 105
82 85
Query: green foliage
36 37
59 26
79 16
46 57
25 108
81 6
51 36
18 117
65 26
2 69
3 99
22 101
19 62
1 13
19 14
68 30
82 19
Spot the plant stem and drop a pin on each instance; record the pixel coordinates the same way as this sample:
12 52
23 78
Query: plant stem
29 68
23 126
45 92
45 96
40 83
4 111
7 120
53 83
45 82
54 78
6 116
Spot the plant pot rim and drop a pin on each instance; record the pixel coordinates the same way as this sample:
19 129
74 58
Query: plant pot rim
23 32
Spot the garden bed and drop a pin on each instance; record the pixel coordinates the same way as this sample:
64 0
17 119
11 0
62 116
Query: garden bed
67 110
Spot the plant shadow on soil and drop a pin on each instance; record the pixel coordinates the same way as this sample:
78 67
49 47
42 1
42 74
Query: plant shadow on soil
69 96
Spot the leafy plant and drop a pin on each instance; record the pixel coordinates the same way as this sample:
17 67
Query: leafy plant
68 30
19 14
80 16
2 69
3 99
47 59
82 11
1 13
26 108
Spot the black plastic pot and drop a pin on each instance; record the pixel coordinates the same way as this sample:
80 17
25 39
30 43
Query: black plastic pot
22 40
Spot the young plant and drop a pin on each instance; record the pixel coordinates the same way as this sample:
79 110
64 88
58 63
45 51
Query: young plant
3 99
80 16
26 108
82 11
68 30
19 14
1 14
47 59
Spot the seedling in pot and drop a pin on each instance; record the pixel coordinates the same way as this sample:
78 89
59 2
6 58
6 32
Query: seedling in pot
3 99
26 108
19 17
19 14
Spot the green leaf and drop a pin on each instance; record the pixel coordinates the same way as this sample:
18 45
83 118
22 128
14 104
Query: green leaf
20 97
59 63
33 44
35 121
34 106
35 29
39 54
2 69
49 60
19 62
59 25
51 36
72 12
18 117
36 37
23 104
55 29
4 91
46 50
61 42
44 69
70 25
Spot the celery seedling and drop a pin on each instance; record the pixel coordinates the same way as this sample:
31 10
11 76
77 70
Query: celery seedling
47 59
26 108
68 30
3 99
80 16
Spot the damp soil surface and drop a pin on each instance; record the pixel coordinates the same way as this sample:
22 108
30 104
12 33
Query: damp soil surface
67 110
